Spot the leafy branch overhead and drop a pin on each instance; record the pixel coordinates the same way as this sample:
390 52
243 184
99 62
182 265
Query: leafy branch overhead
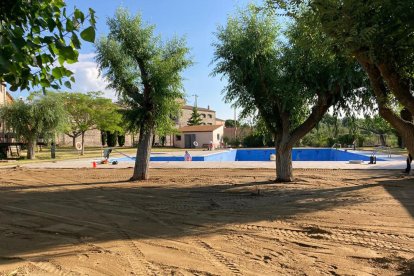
38 38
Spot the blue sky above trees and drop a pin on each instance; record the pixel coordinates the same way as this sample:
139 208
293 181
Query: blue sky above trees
195 19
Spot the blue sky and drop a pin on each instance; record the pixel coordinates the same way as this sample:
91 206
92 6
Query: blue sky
197 20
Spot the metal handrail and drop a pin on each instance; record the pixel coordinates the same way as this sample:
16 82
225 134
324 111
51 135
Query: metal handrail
334 145
386 149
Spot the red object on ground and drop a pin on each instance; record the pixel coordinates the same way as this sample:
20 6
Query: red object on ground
93 164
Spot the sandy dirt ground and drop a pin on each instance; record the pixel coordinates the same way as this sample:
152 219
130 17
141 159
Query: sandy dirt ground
205 222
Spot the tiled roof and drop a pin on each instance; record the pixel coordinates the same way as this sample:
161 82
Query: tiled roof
203 128
199 108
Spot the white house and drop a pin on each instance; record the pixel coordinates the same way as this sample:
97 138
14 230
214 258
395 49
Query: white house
199 136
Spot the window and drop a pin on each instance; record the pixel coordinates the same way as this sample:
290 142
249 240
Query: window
210 124
204 115
210 116
218 136
178 137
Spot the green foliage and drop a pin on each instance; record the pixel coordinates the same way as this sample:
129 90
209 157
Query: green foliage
376 124
121 140
346 139
231 123
235 142
111 138
255 140
381 29
195 119
41 117
34 36
89 111
380 35
144 72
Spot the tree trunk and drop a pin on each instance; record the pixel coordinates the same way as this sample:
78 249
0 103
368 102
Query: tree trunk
143 155
74 141
284 164
83 143
382 140
31 149
404 128
153 139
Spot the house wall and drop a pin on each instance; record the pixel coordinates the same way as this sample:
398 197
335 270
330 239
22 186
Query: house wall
208 116
92 139
5 98
218 137
202 138
240 132
220 122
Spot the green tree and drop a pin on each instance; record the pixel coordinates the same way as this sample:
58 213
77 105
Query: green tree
146 74
40 117
331 122
195 119
36 34
376 125
121 140
90 111
380 35
104 138
292 85
231 123
112 138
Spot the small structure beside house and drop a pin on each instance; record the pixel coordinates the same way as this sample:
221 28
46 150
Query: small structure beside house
220 122
199 136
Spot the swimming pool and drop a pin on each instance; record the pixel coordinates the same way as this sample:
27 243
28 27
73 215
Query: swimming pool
298 154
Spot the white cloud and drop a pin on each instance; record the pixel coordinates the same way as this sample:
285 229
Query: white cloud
87 76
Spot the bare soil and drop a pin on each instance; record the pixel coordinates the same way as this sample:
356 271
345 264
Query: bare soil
206 222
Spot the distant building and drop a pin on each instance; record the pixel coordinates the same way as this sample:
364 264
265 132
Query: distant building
207 115
220 122
199 136
93 137
5 98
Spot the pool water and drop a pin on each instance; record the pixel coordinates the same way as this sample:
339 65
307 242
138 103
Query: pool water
298 154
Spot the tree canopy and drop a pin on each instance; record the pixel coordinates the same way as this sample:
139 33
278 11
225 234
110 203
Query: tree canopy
231 123
37 39
195 119
379 34
146 73
89 111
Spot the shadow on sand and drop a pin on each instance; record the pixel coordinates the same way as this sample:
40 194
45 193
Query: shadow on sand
54 213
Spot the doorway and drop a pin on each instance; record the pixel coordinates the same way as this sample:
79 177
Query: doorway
189 140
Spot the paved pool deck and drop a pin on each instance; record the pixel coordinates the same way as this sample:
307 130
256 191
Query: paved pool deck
395 162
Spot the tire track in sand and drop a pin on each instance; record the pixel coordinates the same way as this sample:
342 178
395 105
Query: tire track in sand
342 236
128 241
54 269
213 255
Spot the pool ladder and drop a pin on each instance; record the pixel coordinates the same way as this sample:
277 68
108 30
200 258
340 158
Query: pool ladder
336 146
